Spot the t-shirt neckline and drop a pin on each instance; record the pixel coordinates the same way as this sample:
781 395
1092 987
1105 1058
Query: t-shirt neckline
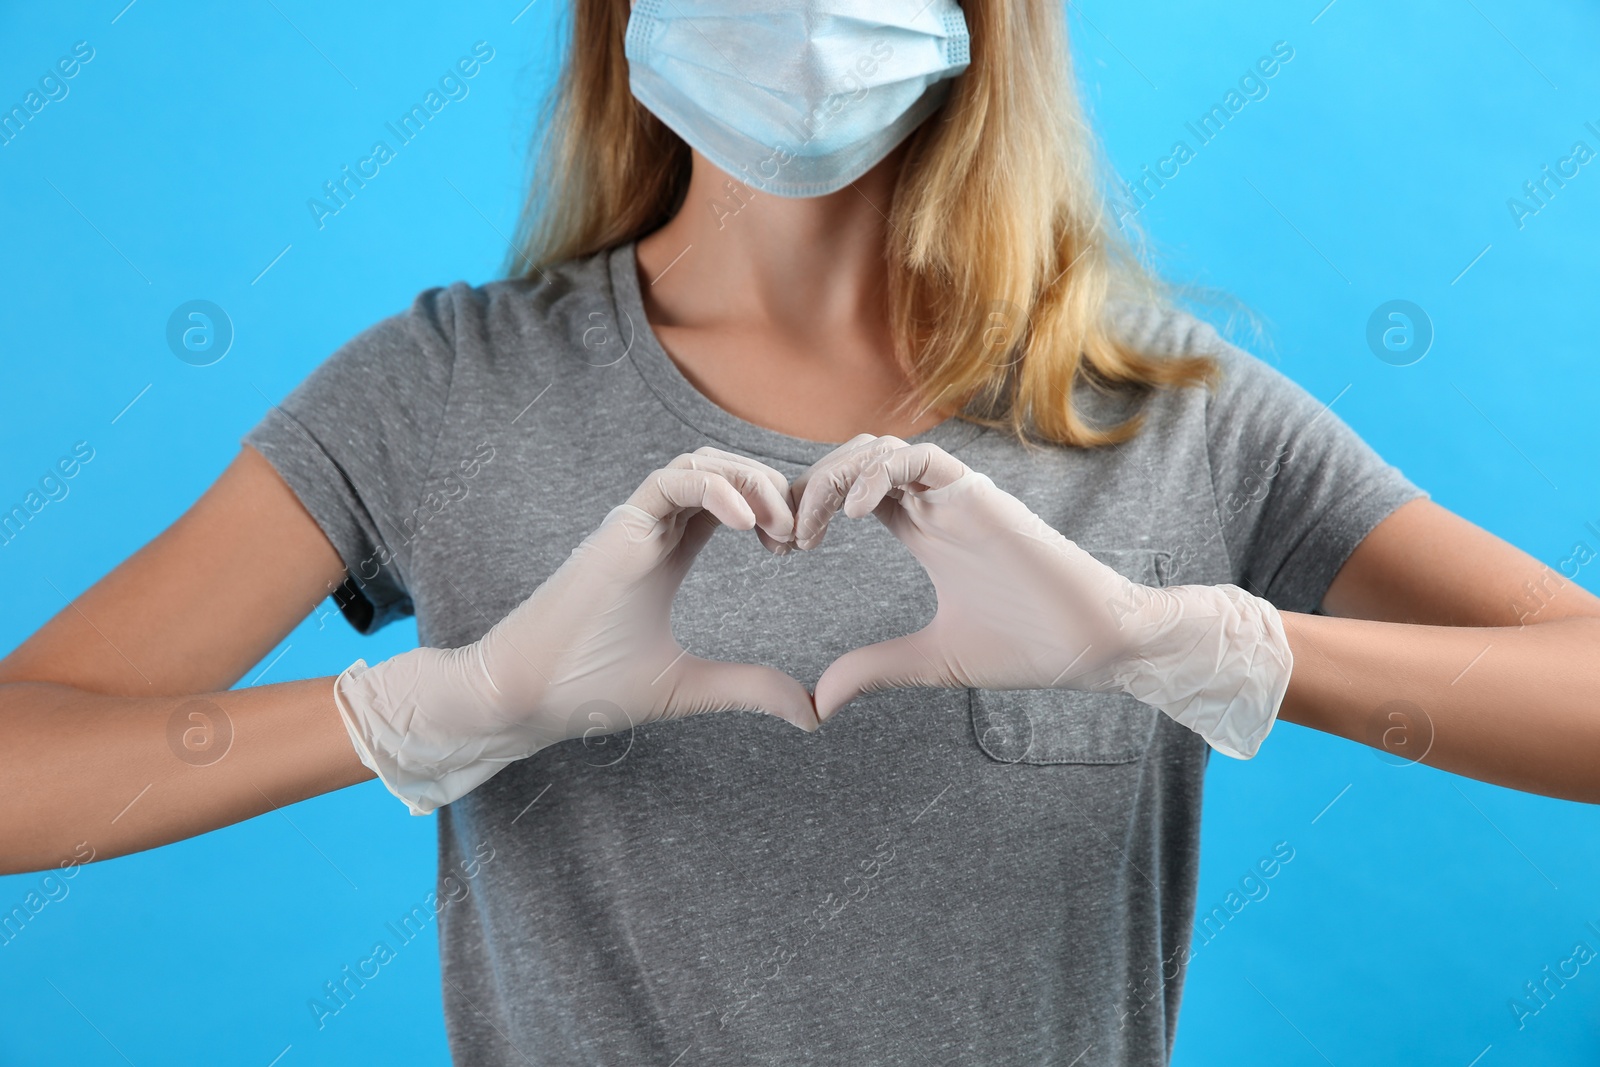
679 396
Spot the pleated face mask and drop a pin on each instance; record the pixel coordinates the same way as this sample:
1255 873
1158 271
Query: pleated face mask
794 98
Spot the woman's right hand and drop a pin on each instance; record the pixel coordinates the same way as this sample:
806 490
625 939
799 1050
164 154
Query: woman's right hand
590 650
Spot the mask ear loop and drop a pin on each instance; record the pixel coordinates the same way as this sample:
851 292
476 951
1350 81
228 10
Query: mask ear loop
642 22
957 41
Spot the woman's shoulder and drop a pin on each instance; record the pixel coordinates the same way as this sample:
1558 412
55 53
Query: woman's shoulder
1162 329
548 314
462 338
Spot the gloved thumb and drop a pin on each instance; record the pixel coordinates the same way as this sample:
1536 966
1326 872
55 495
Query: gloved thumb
714 685
893 664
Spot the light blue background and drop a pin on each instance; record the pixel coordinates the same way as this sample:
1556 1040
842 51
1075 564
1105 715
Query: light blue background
1378 167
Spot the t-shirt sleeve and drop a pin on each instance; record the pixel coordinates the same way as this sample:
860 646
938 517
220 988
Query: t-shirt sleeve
354 441
1296 488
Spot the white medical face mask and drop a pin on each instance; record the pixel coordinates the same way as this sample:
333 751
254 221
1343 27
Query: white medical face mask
795 97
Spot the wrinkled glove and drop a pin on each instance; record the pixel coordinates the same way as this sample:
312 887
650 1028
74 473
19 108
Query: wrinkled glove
1022 607
591 650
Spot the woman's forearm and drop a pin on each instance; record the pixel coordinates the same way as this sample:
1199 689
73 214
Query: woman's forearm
88 776
1518 706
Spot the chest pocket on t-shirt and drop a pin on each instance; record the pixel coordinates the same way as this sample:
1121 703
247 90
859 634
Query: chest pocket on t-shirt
1052 726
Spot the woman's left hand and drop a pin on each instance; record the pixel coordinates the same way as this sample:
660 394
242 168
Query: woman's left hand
1022 607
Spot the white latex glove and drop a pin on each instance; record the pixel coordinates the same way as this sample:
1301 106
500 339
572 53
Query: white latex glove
590 651
1023 607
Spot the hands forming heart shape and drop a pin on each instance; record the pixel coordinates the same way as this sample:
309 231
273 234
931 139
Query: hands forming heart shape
1019 607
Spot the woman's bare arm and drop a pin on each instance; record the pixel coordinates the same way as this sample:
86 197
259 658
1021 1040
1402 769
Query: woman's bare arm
1449 645
114 714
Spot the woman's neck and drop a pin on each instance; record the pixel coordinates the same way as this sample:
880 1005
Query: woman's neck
736 254
777 308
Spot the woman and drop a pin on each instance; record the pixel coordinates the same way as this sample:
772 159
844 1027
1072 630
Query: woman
781 272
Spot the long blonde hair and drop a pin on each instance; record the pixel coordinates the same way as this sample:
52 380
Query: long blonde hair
1002 255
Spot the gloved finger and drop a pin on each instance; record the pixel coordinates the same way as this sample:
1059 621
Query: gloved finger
772 544
713 685
817 489
798 486
764 489
672 490
829 481
774 475
696 532
921 466
900 662
778 544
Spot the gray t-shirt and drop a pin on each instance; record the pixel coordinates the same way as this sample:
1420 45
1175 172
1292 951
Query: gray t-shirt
936 876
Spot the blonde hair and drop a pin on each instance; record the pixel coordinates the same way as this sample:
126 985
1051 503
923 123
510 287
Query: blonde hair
1002 257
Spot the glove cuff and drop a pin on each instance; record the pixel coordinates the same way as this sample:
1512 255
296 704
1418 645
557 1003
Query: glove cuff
387 710
1221 666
